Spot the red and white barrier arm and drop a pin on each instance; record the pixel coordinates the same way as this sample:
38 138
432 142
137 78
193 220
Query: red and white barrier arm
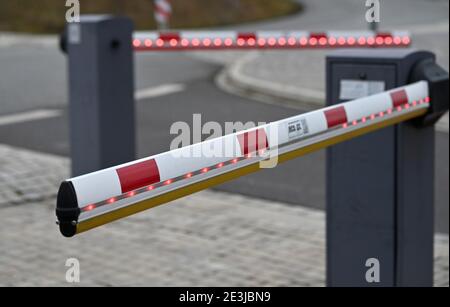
206 40
98 198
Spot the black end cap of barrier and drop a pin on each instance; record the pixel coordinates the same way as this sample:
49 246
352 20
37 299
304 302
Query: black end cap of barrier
67 210
437 78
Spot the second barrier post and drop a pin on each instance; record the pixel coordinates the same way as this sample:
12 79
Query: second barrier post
101 87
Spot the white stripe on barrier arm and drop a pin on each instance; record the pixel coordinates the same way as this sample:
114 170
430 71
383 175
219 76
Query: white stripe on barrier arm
101 197
198 40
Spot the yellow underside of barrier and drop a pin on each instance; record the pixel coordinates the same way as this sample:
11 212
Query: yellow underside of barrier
196 187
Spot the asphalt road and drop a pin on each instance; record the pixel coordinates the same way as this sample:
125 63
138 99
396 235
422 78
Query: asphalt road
34 77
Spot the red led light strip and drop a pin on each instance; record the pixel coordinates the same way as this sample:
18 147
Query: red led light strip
398 108
175 41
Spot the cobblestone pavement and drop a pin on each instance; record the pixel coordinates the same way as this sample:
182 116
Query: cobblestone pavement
28 177
207 239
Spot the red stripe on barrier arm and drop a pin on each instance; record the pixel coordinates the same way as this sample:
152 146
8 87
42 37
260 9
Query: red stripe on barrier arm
318 35
384 34
384 39
169 36
336 116
399 98
318 39
253 141
246 36
138 175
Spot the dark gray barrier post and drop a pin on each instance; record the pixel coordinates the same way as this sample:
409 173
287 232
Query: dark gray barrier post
380 189
101 87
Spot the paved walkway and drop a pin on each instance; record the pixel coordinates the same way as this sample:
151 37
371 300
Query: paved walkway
207 239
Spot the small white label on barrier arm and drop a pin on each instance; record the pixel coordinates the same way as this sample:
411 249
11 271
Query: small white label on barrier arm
355 89
297 128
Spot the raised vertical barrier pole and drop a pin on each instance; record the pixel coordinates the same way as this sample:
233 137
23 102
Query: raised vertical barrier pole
380 187
101 87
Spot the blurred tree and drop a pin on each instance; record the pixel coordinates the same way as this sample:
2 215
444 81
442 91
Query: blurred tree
47 16
235 4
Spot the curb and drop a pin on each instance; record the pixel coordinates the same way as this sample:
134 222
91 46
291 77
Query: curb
233 79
